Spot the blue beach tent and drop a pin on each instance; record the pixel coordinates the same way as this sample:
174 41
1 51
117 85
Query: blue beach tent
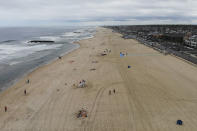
121 55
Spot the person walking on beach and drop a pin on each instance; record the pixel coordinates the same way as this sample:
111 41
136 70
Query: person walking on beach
109 92
25 92
6 108
114 91
28 81
83 83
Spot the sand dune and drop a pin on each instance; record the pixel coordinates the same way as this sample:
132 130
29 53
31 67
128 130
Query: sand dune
150 96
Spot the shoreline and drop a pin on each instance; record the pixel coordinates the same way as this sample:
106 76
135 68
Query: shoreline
34 69
151 92
25 75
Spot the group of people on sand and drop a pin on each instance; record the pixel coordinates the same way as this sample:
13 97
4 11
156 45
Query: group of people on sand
82 113
82 84
114 91
123 54
107 51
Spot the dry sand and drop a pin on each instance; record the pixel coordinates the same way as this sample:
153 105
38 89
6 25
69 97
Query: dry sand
150 96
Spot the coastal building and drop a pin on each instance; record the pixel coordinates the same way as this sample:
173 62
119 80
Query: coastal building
191 41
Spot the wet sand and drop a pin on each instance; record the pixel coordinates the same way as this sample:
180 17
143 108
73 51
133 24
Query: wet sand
150 96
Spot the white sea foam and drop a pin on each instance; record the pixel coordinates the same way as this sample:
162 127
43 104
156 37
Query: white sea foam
53 38
14 62
17 51
70 34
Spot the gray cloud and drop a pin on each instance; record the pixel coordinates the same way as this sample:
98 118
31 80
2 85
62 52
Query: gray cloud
97 12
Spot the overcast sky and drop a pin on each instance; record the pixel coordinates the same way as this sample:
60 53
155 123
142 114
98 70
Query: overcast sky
96 12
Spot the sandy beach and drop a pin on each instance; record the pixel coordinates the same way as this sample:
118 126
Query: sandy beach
151 95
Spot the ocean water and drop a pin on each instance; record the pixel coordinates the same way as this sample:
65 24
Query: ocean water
18 56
